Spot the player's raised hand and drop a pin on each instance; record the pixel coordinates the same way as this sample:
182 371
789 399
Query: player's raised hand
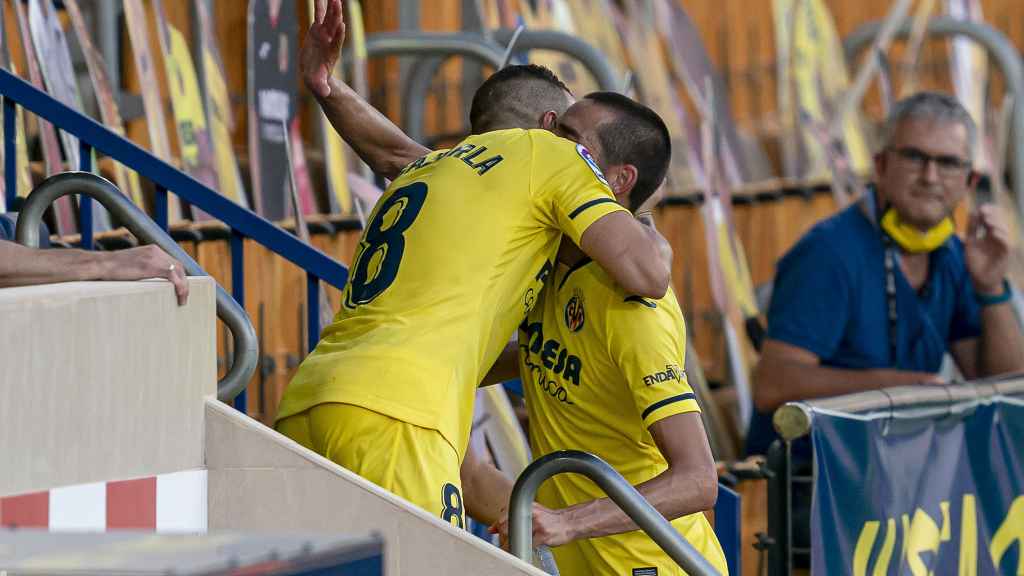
322 48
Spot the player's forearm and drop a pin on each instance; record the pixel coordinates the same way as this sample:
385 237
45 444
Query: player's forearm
664 247
1001 346
506 367
673 493
381 144
21 266
486 489
778 381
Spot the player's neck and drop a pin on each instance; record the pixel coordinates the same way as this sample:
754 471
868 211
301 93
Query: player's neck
569 254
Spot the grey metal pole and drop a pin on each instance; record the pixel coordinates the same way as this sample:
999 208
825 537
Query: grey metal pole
246 350
423 71
585 53
998 45
794 419
430 44
520 517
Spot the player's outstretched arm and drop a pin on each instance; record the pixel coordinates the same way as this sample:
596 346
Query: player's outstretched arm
630 252
689 485
485 488
381 144
21 266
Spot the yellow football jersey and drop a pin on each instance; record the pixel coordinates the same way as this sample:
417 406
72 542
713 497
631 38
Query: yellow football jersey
451 260
599 367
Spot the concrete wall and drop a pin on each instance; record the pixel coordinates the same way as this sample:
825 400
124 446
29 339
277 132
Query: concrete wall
102 380
260 480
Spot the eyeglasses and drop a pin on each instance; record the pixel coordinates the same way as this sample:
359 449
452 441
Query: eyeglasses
947 166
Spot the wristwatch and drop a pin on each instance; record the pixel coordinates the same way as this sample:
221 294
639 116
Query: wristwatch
987 300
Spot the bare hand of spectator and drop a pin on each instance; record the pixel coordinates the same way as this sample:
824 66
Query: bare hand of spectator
550 528
145 262
987 249
322 48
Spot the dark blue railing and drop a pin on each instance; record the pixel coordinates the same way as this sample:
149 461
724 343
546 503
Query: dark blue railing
243 223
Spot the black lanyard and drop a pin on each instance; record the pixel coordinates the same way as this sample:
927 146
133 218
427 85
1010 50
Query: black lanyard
890 295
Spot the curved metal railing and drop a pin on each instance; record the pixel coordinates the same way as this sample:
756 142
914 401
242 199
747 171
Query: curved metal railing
246 352
520 518
436 47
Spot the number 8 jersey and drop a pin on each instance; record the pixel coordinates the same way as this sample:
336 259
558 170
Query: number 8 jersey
451 260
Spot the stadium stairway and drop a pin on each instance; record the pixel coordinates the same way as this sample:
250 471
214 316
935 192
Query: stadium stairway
111 422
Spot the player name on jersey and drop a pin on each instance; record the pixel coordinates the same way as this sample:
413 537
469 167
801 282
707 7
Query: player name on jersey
468 153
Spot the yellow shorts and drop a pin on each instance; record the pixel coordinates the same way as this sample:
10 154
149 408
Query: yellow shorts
415 463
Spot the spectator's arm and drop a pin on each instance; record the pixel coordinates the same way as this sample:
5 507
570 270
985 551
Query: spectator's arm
788 373
999 349
21 266
986 340
688 485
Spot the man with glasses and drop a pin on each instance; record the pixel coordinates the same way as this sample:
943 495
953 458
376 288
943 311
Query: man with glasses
876 295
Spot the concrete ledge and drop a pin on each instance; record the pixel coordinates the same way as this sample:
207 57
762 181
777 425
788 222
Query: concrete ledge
102 380
261 480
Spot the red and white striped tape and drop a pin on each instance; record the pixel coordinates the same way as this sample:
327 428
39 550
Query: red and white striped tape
175 502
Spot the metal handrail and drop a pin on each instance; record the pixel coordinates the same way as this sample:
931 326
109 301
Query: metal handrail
418 83
520 518
997 44
415 43
794 419
582 51
166 177
246 351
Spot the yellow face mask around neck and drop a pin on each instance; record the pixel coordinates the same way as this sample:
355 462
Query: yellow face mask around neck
913 240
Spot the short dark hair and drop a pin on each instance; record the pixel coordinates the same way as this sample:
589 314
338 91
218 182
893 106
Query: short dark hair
931 106
516 97
637 136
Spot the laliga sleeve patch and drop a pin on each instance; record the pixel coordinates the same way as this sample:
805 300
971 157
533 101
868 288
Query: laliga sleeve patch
585 154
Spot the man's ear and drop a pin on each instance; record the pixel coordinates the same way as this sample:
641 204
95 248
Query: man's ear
622 179
881 162
549 120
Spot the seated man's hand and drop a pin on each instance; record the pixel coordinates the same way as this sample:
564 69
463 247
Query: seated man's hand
550 528
322 47
145 262
987 249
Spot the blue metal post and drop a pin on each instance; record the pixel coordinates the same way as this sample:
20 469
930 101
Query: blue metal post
85 202
237 290
10 152
727 527
313 311
160 207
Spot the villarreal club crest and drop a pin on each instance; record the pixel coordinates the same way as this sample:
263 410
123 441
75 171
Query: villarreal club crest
574 315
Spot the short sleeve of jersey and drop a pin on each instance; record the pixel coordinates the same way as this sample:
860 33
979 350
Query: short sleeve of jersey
647 340
810 298
569 189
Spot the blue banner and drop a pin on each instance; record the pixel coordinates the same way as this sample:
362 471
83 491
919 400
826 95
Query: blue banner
921 496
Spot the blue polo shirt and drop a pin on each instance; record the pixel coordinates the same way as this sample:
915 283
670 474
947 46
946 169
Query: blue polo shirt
829 298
